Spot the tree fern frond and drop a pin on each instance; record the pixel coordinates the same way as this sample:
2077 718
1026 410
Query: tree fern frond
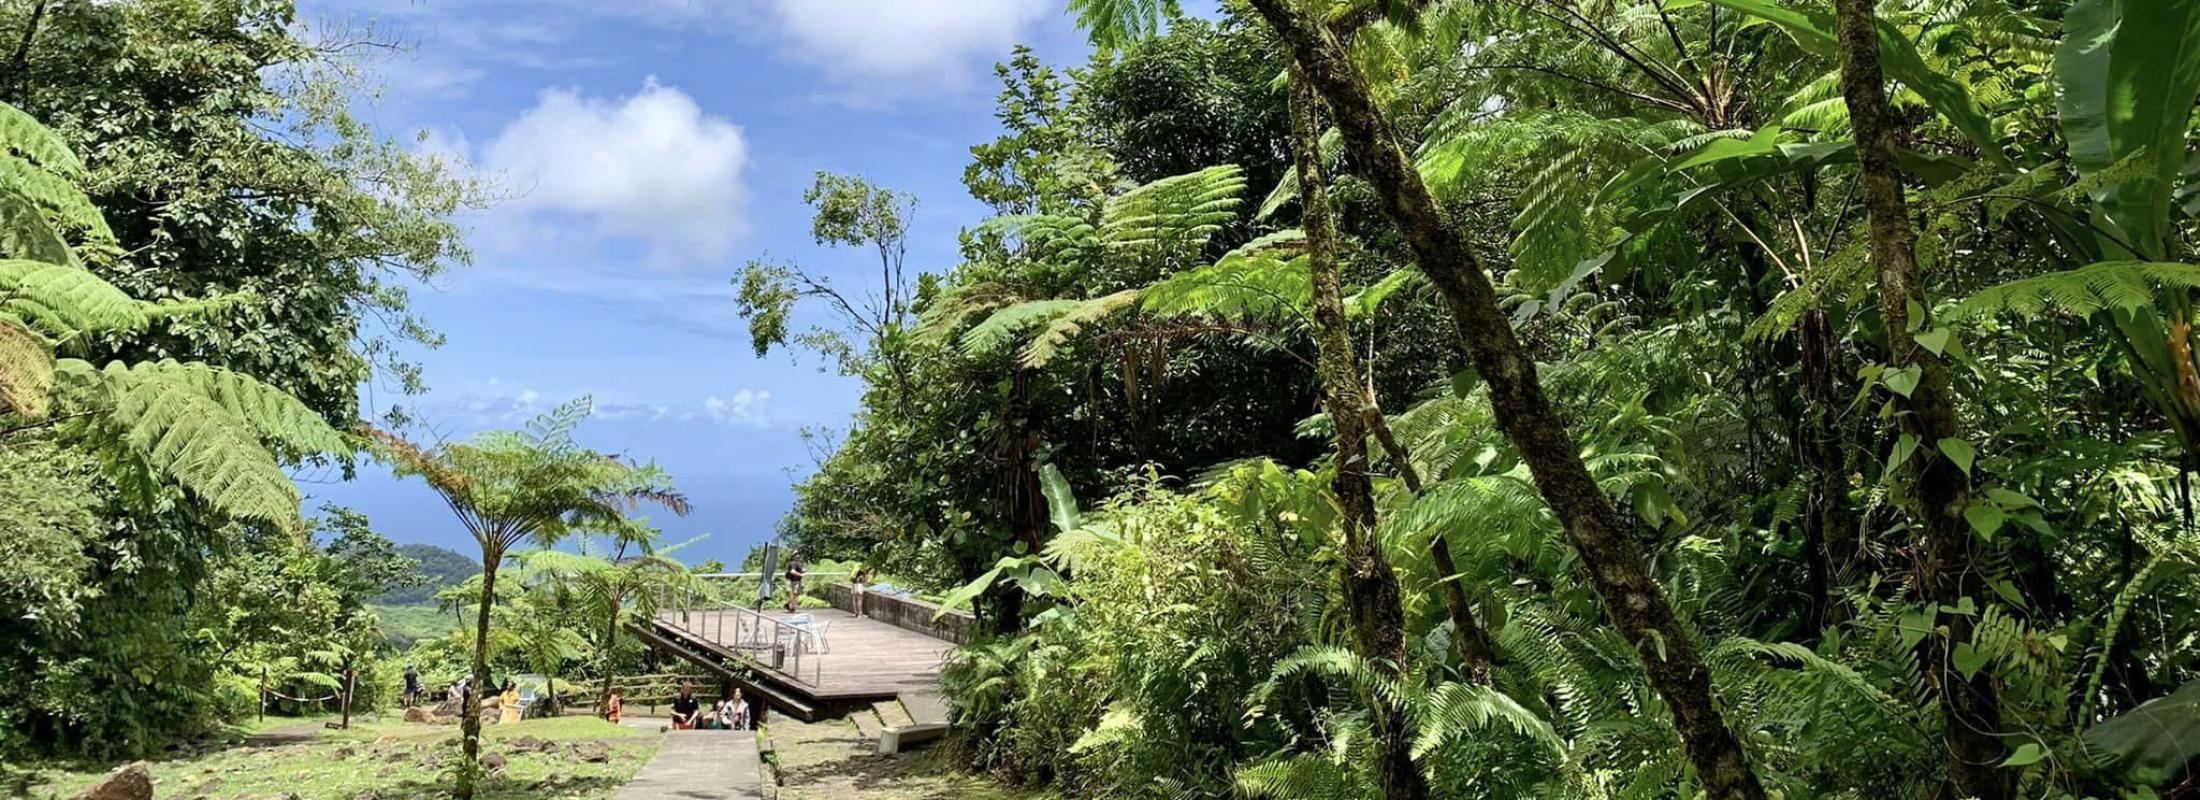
65 301
25 234
1116 24
57 194
1455 710
273 413
26 370
1176 213
999 330
183 434
31 139
2087 290
1066 324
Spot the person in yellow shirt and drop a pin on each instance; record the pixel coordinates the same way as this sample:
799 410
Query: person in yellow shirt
508 704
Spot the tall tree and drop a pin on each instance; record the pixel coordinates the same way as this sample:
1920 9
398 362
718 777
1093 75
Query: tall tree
1948 575
850 212
508 487
1370 585
1633 600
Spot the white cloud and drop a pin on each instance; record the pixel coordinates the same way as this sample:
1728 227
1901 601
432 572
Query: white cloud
902 40
651 168
746 408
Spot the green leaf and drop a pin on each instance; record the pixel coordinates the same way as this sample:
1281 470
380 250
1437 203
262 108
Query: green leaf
1061 502
1904 381
1986 518
2027 754
1968 659
2127 74
1958 451
1935 340
1903 447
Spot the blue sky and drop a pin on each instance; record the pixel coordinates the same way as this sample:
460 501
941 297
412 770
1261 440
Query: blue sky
647 149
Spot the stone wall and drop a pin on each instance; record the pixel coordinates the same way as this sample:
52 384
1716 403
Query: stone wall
907 613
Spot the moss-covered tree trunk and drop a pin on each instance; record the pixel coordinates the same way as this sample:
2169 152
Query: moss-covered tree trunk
1970 709
1370 586
1635 602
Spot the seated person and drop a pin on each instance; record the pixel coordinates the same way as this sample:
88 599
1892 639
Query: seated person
686 709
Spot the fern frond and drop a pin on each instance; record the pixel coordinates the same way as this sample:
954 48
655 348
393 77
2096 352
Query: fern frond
274 414
1174 214
1455 710
1066 324
2082 292
31 139
65 301
25 234
999 330
26 370
178 432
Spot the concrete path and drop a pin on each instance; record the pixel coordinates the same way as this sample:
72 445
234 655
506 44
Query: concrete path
699 765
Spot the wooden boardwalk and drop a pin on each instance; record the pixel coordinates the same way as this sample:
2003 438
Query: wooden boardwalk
864 660
699 765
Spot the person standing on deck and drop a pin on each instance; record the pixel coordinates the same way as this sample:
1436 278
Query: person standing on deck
794 580
862 580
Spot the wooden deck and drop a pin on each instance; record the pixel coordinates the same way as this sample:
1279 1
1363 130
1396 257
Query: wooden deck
864 660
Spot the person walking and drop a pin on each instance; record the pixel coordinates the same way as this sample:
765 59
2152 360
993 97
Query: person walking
412 685
738 709
612 707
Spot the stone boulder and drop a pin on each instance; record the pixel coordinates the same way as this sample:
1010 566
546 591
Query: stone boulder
130 781
594 752
422 715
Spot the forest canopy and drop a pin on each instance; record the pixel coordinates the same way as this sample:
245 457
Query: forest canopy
1719 398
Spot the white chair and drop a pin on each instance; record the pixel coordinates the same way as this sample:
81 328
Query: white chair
815 633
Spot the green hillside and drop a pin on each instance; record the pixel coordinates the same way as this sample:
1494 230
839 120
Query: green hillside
443 567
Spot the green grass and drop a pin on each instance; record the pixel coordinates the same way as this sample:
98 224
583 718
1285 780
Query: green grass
391 759
407 624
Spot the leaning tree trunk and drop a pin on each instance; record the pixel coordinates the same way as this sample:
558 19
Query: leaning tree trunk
1370 586
1970 710
1635 602
1468 636
469 721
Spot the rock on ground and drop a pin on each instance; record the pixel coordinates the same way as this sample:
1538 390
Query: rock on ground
129 782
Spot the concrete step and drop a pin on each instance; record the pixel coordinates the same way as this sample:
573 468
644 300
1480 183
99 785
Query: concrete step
925 707
891 713
866 723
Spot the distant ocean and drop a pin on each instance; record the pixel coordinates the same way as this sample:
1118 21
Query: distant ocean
736 512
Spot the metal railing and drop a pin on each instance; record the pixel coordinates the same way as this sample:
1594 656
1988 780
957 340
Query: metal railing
760 639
